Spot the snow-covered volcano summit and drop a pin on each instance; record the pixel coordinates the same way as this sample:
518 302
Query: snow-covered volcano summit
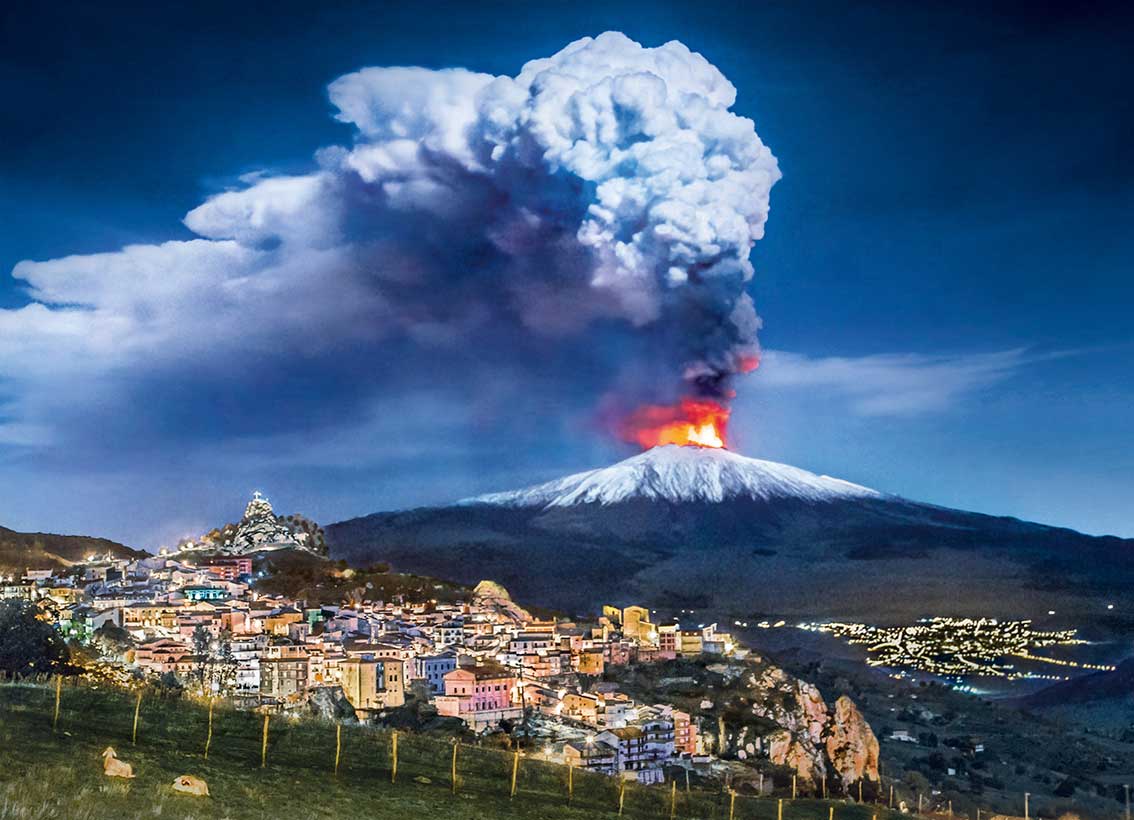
680 474
713 530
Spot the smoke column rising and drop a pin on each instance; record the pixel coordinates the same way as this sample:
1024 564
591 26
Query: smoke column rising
604 189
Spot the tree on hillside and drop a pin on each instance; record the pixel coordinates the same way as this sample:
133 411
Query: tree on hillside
28 645
223 665
202 638
111 639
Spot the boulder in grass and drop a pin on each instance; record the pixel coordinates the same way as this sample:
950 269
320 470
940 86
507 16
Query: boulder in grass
188 784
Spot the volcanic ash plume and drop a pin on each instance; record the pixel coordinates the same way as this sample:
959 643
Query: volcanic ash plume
618 186
608 183
599 205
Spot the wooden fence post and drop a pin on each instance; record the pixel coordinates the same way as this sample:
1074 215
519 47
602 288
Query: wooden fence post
394 753
137 712
570 781
672 799
731 804
209 736
824 788
860 790
515 771
780 809
264 744
831 813
621 794
793 787
58 696
456 745
338 746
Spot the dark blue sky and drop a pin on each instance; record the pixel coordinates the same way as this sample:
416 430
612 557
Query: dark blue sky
945 280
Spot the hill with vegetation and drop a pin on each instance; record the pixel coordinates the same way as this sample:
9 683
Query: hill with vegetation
303 576
40 550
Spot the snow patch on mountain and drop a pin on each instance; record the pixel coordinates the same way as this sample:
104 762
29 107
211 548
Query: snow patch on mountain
680 474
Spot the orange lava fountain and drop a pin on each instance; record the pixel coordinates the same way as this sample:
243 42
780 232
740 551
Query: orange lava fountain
696 422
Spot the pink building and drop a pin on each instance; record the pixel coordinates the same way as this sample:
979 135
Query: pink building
160 656
489 686
228 568
481 696
617 653
684 733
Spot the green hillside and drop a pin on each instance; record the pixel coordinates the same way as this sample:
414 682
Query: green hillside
45 774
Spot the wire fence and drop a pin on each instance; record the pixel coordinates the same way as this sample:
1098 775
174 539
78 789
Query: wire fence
360 755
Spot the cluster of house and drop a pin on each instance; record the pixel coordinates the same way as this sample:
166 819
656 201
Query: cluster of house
484 661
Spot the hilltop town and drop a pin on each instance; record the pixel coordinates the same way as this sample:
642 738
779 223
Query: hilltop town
467 660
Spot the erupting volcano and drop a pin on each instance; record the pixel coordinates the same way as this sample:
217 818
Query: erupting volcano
699 422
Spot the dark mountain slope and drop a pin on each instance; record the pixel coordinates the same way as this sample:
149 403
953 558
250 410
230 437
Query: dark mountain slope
704 529
39 550
1092 688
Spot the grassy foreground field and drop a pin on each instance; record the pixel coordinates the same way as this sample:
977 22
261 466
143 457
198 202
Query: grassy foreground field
59 775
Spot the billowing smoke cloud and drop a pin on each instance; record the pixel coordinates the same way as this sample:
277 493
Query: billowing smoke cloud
588 220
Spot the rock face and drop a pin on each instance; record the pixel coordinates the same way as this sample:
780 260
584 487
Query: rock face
261 529
784 749
492 595
852 747
329 703
811 739
798 709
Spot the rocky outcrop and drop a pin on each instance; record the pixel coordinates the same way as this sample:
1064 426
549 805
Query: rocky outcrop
813 740
261 529
494 596
805 759
799 710
852 747
330 703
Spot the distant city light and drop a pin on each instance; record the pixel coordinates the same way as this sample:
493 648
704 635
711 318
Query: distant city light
956 648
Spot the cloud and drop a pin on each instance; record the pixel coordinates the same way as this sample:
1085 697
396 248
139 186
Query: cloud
534 238
897 384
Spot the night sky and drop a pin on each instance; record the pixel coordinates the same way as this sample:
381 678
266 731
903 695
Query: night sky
944 281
